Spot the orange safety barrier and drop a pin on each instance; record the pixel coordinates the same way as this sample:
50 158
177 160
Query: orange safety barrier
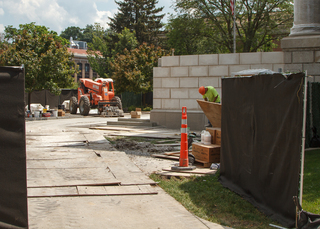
184 160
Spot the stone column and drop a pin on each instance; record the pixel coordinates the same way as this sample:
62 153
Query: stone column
306 18
302 47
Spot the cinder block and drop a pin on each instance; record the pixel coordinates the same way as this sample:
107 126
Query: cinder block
179 93
272 57
317 56
170 82
237 68
189 82
229 58
157 103
250 58
161 72
209 81
261 66
157 82
168 61
179 71
193 93
302 57
159 62
287 57
162 93
189 60
278 67
198 71
209 59
191 104
170 104
312 69
293 68
222 70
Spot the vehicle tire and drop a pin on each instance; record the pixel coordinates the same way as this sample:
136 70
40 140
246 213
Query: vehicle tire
118 101
73 106
84 105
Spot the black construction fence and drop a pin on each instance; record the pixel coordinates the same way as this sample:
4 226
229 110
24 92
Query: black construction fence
313 115
128 99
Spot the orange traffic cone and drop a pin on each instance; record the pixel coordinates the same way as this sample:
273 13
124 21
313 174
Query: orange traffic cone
184 160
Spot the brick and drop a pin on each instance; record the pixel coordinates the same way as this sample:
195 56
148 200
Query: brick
194 93
170 104
157 82
287 57
229 58
272 57
277 67
161 72
170 82
209 59
168 61
312 69
198 71
218 70
250 58
317 56
261 66
189 60
292 67
162 93
157 103
191 104
238 68
302 57
179 71
189 82
179 93
209 81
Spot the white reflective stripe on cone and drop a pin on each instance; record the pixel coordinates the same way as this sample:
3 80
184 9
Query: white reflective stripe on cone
183 130
183 121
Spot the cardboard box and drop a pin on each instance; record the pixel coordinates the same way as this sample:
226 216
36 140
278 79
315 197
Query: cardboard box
138 109
135 114
206 153
215 135
61 113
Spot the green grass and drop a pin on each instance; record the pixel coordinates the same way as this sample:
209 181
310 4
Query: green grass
311 182
208 199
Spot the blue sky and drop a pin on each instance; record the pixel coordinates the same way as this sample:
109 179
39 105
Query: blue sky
60 14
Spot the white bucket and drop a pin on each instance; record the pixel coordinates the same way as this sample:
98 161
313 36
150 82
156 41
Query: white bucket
55 113
36 114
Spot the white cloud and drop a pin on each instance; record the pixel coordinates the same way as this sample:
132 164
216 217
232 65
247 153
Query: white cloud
1 11
101 17
1 28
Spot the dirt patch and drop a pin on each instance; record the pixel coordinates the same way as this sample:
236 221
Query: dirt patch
140 148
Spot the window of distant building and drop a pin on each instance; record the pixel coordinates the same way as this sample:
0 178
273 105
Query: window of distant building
79 75
87 70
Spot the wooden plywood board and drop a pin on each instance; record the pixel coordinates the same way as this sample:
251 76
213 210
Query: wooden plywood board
212 112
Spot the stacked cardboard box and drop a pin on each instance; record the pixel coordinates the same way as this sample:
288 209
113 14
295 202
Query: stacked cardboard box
209 153
61 112
136 114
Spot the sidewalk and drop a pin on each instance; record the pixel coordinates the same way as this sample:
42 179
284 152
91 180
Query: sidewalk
75 181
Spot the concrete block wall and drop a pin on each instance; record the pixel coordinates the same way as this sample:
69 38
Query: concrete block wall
177 79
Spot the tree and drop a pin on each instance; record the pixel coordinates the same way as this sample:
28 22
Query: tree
48 65
103 50
189 35
72 31
139 16
133 71
258 23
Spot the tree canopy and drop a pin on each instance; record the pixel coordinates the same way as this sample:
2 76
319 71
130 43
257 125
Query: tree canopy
258 23
83 34
140 16
48 64
133 71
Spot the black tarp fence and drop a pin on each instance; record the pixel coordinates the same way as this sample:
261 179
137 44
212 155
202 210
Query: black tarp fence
313 113
261 141
13 178
45 97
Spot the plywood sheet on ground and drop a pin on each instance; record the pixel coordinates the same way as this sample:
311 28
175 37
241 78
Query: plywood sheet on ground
69 176
212 112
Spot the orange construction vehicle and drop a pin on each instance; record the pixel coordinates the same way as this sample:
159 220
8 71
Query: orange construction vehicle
96 94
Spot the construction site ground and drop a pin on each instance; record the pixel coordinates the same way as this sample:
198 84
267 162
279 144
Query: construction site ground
77 179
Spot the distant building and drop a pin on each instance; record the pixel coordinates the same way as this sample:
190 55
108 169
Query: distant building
79 50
